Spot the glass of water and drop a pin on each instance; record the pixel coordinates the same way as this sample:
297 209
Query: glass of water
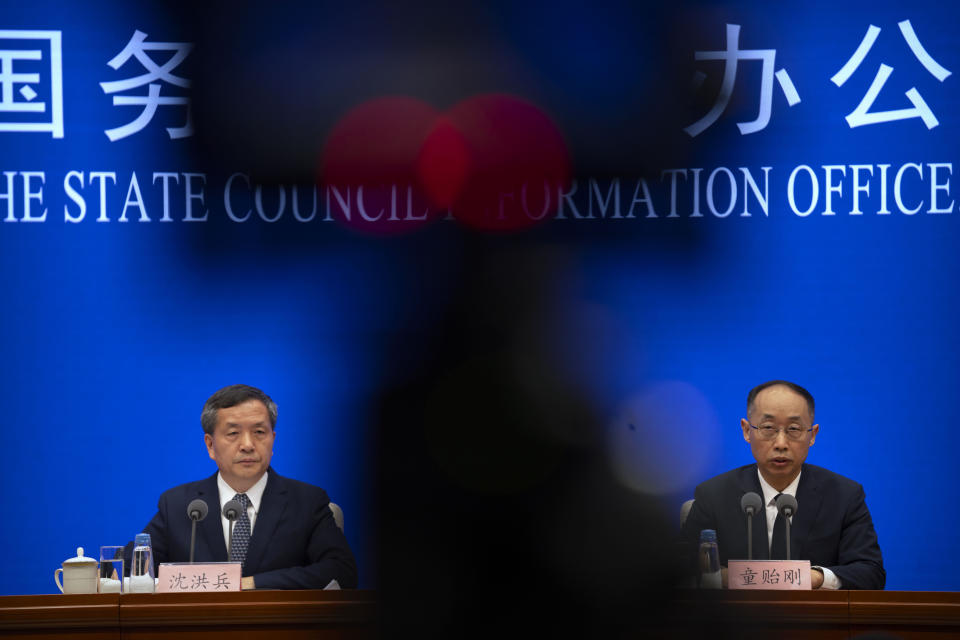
111 569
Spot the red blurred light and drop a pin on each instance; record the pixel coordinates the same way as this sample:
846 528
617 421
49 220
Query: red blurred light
496 162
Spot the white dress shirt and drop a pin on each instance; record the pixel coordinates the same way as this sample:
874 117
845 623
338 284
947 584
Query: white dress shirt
830 579
254 497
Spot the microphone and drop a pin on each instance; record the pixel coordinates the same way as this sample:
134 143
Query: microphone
750 504
196 511
231 511
787 507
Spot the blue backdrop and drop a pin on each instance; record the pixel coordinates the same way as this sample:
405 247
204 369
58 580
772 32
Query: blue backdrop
687 268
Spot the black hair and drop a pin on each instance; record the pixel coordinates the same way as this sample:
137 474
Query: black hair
230 397
806 395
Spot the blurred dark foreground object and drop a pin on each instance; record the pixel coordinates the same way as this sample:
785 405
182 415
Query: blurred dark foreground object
497 510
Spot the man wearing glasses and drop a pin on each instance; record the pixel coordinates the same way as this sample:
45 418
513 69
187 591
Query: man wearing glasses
832 526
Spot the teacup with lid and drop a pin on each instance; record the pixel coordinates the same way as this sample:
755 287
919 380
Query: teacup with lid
79 574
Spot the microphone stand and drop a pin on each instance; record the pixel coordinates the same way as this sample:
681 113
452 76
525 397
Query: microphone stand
193 536
787 513
231 511
196 511
749 504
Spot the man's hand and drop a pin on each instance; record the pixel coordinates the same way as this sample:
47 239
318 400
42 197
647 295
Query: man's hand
247 583
816 578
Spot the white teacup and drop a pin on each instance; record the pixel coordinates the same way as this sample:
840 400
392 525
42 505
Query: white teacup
109 585
141 584
79 574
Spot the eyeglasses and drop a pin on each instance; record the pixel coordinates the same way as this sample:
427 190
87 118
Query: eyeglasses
769 432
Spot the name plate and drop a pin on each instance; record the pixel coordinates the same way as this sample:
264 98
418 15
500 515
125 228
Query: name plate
782 575
183 577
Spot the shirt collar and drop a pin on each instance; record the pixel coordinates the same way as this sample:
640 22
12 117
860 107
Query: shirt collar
769 493
254 493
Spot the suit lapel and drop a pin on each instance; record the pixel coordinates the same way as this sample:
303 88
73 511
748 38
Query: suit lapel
750 481
809 500
269 513
210 529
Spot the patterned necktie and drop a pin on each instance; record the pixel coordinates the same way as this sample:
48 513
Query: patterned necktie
778 547
241 531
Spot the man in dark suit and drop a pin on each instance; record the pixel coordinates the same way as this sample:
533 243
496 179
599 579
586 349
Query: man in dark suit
832 526
285 535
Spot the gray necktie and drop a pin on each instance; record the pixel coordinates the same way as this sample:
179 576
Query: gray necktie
241 531
778 546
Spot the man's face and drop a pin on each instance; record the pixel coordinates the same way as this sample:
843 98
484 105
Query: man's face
242 443
779 459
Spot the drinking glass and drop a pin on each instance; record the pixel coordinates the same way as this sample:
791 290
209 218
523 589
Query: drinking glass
111 569
141 567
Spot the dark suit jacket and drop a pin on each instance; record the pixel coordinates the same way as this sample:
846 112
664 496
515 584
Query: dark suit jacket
295 543
832 527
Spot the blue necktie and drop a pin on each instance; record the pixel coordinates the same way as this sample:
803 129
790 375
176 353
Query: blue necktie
241 531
